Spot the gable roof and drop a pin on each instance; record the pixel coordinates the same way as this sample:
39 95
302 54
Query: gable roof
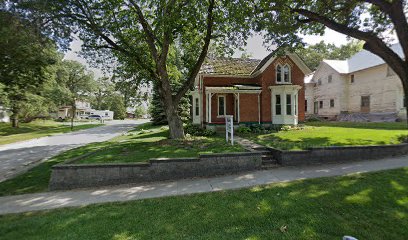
229 66
246 66
273 55
361 60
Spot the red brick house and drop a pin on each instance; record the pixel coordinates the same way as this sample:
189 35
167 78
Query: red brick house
268 91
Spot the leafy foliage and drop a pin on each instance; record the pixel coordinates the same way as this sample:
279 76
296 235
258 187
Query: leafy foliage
159 41
314 54
197 130
25 56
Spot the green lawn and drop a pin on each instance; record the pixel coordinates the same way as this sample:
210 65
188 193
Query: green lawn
137 146
148 141
317 134
367 206
35 129
37 178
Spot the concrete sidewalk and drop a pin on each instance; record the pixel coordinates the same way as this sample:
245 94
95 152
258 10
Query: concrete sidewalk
51 200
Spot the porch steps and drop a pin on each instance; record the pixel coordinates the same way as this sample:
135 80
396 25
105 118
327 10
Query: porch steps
268 161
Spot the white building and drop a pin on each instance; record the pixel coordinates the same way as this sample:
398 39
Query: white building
363 86
4 117
82 109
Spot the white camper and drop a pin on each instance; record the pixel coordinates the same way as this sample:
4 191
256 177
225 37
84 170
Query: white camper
105 114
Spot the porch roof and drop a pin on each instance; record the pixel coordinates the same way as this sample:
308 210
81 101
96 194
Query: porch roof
235 89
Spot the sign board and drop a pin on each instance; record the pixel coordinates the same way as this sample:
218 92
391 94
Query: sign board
229 128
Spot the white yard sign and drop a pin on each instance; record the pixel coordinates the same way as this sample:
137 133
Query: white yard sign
229 128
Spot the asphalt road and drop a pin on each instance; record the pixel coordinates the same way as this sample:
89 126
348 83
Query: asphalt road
19 157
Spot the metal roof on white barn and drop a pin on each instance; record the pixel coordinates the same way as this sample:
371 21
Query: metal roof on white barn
361 60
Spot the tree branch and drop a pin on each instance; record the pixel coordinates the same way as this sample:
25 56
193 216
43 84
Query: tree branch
372 42
196 68
150 37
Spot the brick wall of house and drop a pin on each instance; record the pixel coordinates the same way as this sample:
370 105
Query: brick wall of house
249 102
248 107
268 78
209 81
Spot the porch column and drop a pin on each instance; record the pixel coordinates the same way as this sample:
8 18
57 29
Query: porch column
239 118
206 107
259 109
209 107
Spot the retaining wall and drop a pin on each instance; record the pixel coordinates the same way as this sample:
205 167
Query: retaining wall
71 176
322 155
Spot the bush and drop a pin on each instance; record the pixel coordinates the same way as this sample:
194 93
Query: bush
403 138
243 129
197 130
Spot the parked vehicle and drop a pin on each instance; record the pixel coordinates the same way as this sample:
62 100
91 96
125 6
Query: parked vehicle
94 116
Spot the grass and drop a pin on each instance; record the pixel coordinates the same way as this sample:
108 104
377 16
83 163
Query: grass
149 141
367 206
35 129
318 134
37 178
136 146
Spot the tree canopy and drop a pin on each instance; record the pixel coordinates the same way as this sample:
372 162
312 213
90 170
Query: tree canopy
25 58
312 55
155 39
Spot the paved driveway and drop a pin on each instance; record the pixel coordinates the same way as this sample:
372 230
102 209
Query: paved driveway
18 157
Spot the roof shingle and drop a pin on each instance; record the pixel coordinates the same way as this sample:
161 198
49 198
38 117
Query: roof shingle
229 66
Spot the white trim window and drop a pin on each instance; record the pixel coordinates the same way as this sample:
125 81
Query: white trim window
221 105
288 104
197 106
283 74
278 105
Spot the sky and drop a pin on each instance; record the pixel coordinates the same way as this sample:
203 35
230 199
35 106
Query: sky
254 47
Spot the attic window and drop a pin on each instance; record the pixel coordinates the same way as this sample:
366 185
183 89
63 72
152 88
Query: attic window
283 73
352 78
329 78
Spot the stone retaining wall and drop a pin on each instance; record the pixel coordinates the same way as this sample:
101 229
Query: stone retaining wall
322 155
71 176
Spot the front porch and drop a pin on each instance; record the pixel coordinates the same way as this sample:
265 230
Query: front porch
242 102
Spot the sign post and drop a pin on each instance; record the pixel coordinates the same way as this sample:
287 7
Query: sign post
229 128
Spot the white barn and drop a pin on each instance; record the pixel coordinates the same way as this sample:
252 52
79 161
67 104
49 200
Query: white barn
363 86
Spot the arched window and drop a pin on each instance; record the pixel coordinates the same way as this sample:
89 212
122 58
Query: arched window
279 73
283 74
286 73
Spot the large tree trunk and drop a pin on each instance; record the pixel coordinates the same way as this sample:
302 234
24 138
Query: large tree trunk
405 86
170 106
175 124
73 108
14 117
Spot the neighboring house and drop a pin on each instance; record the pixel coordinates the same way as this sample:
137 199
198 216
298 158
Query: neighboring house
363 85
83 110
268 91
4 117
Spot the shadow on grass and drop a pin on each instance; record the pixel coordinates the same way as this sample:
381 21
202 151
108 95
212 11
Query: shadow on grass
37 178
366 206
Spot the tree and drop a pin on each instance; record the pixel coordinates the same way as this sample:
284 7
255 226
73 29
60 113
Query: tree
114 102
152 38
140 111
25 55
103 89
129 85
370 21
77 84
314 54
